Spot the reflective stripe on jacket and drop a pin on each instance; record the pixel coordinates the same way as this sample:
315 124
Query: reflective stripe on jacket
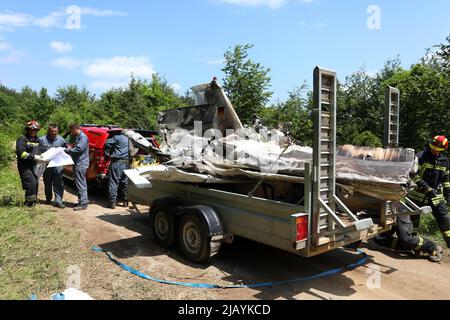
433 173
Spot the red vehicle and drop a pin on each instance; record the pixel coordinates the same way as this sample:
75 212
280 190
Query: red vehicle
97 172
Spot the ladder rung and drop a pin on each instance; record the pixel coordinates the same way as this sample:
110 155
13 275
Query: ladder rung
326 128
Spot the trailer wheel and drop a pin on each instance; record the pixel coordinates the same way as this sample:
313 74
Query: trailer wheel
193 239
163 226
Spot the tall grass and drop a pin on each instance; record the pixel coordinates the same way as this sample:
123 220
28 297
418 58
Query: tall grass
34 245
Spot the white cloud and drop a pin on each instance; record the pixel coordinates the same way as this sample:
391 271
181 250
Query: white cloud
61 47
110 73
5 46
52 20
176 87
67 63
57 19
10 19
120 68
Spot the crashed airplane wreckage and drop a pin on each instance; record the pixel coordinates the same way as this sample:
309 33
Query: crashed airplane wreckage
208 145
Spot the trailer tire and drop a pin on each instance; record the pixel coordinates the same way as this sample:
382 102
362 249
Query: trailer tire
193 239
163 225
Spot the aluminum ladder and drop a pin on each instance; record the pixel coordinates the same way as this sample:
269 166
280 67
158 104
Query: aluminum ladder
389 209
327 223
392 118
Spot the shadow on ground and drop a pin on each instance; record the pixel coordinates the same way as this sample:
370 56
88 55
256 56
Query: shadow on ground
247 262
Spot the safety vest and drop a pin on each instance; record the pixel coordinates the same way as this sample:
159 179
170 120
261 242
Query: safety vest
433 173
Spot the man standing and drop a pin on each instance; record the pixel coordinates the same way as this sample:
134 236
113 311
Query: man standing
27 154
433 184
117 148
53 180
80 156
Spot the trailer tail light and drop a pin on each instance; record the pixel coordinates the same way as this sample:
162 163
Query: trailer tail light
302 228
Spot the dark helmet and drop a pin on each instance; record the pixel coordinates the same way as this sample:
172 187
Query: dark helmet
32 125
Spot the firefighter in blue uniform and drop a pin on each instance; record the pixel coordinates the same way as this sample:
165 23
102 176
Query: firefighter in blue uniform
53 180
117 148
27 150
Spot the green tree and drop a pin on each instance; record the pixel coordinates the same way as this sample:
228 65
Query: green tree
246 83
295 112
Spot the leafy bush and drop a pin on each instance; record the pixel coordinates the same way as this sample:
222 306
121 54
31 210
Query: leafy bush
10 187
7 147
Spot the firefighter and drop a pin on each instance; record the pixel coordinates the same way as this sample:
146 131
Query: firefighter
53 180
117 148
27 149
433 189
433 184
80 156
403 238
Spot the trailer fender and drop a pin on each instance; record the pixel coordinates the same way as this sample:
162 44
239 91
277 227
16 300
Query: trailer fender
170 204
209 217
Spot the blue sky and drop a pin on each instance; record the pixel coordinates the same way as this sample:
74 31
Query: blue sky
41 45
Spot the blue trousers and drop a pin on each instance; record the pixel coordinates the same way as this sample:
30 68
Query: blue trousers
81 185
53 182
117 180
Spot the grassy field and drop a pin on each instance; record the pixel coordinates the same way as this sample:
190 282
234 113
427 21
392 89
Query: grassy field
34 246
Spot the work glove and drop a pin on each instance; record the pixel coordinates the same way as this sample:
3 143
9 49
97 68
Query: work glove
39 158
432 193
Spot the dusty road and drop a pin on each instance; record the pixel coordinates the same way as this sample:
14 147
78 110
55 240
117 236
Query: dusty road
127 234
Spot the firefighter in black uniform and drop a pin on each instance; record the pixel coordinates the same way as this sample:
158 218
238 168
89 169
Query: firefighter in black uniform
432 180
27 149
433 184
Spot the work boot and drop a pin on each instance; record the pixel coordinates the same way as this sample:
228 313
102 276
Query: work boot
436 256
48 202
80 207
111 205
30 204
60 205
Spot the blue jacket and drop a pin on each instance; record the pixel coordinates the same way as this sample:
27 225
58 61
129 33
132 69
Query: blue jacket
117 147
80 151
46 143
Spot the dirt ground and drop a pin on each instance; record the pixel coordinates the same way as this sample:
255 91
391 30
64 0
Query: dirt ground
127 234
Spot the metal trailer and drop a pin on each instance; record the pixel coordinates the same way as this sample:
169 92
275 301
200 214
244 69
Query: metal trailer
201 217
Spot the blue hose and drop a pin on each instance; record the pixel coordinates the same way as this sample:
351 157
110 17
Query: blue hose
328 273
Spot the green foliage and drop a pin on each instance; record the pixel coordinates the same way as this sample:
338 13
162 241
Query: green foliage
295 113
366 139
246 83
425 101
10 187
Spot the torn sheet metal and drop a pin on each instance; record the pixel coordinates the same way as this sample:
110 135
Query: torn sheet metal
259 153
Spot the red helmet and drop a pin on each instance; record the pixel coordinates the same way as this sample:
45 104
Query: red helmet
439 143
33 125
